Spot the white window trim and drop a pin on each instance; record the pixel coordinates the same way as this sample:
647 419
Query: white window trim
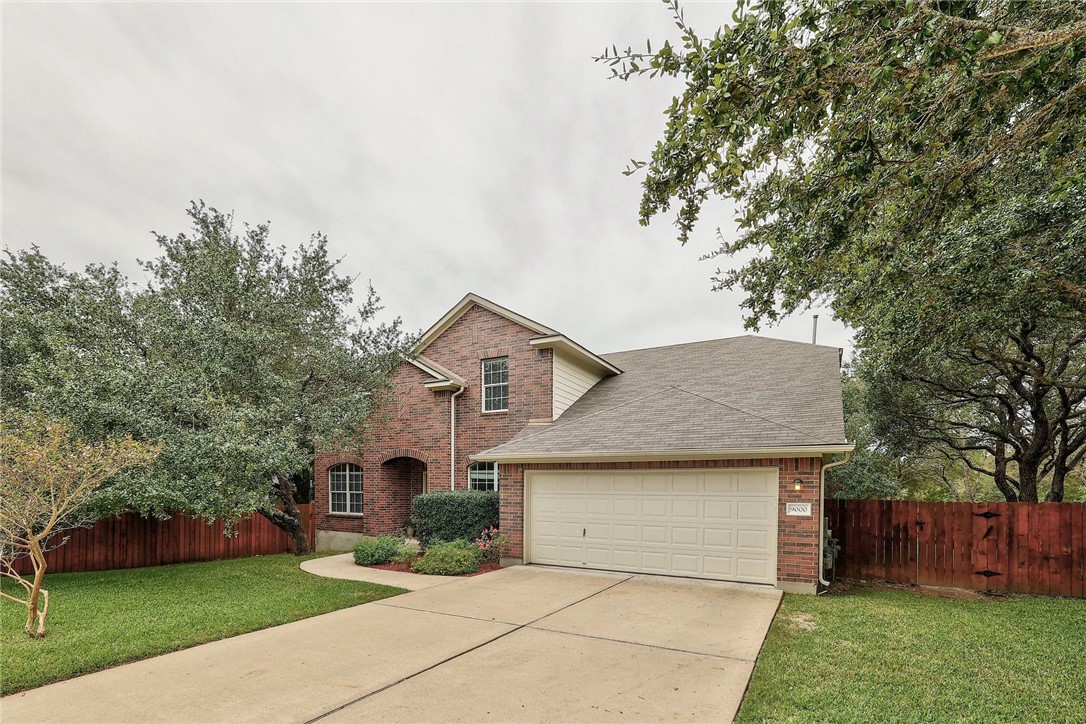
495 476
361 491
484 385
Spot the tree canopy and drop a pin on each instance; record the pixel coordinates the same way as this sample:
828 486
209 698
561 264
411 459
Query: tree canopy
921 167
239 357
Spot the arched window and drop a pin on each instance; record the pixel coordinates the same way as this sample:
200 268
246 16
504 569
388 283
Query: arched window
483 476
345 489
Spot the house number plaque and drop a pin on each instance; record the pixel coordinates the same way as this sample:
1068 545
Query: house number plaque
798 509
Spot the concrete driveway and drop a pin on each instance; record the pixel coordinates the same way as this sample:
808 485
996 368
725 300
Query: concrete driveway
520 644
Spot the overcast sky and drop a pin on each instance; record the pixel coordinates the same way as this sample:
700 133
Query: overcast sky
443 148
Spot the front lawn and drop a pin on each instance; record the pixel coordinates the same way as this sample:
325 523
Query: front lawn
873 653
102 619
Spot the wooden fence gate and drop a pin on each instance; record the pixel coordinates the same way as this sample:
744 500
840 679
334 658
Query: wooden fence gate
1035 548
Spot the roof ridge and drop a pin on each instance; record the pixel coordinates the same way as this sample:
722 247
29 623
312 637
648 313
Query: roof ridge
720 339
778 423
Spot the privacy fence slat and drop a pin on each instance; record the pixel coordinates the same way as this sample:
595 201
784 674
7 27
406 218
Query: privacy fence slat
129 541
1037 548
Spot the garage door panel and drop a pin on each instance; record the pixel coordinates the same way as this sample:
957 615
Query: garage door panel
752 568
711 524
758 484
685 536
599 505
753 510
655 483
719 537
716 509
654 508
686 508
757 540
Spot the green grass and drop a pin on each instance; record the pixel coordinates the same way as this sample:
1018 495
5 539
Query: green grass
102 619
874 654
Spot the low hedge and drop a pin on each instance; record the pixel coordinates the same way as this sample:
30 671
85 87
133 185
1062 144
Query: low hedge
448 516
449 559
376 551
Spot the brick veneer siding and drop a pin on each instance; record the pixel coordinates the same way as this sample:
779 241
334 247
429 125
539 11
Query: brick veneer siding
797 537
409 432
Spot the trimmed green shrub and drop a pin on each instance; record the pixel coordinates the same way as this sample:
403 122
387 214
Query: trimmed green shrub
460 515
405 554
375 551
449 559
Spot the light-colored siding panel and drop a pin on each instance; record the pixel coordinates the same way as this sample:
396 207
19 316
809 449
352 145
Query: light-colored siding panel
570 382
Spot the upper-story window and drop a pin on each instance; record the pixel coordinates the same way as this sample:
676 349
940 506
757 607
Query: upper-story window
483 476
496 384
345 489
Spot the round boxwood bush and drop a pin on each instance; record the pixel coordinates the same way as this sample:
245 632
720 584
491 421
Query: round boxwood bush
449 559
375 551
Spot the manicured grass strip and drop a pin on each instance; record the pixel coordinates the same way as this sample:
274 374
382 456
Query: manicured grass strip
878 654
106 618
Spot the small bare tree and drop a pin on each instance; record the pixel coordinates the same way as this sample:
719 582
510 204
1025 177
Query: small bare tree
47 479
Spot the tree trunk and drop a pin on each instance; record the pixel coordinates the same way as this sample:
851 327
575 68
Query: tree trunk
1000 476
35 613
1027 482
289 520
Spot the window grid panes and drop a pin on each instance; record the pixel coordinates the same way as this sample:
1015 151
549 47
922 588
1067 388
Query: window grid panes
495 384
483 476
345 488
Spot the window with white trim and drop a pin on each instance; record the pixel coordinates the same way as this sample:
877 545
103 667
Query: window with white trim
483 476
496 384
345 489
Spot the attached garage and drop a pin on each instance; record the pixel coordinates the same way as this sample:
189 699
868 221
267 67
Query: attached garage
714 523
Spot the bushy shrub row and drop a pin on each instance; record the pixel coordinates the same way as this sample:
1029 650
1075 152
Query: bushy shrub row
450 516
380 550
449 559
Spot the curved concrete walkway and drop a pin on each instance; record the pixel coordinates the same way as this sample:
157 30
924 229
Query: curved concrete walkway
344 567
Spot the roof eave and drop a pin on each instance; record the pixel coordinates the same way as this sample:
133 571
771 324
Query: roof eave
563 343
670 455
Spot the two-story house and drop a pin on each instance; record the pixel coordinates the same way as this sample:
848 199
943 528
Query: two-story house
703 459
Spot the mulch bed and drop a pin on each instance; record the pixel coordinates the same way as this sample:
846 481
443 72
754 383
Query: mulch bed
485 567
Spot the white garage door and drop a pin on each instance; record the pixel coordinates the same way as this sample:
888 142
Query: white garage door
718 524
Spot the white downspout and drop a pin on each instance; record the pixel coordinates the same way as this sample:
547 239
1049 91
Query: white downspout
452 437
822 516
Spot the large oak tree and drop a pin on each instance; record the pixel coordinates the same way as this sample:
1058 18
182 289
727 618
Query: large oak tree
920 166
238 357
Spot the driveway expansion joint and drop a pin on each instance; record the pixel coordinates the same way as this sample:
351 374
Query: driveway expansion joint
517 627
641 643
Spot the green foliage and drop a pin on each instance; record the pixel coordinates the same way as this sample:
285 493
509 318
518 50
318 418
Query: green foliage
238 356
404 554
922 168
449 559
376 551
463 514
108 618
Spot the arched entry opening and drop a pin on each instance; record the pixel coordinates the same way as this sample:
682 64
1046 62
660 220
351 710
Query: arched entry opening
404 472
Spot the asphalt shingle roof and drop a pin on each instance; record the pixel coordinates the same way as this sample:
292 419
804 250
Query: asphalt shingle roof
735 393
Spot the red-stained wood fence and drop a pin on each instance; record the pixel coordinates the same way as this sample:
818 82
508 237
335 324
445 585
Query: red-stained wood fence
129 541
1037 548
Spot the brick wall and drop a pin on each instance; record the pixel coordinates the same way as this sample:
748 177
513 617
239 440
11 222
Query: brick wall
412 422
797 537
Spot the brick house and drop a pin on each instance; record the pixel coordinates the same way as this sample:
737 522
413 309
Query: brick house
703 459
